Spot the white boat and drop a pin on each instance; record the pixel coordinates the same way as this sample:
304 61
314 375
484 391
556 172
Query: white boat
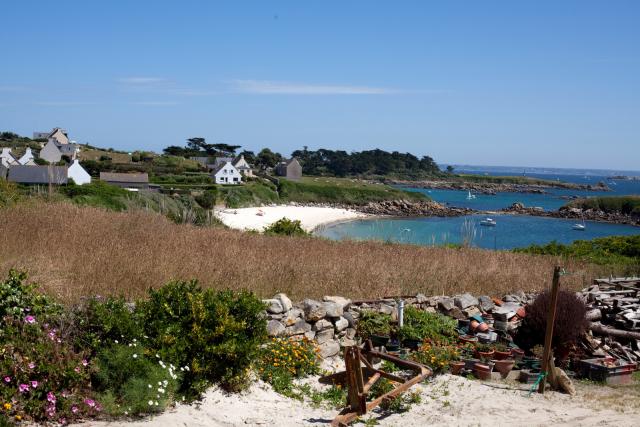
471 196
580 227
488 222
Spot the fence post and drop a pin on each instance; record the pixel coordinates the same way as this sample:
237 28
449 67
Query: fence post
548 338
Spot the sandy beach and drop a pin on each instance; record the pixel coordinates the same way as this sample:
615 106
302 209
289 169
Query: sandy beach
309 216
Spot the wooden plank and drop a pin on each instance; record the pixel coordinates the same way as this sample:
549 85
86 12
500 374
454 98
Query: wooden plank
371 381
551 318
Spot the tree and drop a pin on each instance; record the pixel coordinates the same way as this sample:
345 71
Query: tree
249 156
449 169
226 148
267 158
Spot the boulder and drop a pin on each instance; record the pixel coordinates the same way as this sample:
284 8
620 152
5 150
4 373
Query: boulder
421 298
446 304
347 342
292 316
341 301
486 303
300 327
386 309
275 328
350 318
465 300
322 325
274 306
456 313
324 336
313 310
310 335
350 333
471 311
333 309
329 349
285 301
341 324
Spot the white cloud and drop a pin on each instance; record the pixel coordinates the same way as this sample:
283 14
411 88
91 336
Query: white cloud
286 88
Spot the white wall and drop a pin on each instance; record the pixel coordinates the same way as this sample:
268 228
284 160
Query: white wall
78 174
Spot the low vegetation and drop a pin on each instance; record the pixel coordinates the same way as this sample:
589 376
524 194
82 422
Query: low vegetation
621 253
286 227
126 253
628 205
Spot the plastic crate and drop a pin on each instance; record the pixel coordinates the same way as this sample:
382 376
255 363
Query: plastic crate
596 370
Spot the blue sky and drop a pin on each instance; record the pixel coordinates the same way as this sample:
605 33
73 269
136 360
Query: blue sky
494 82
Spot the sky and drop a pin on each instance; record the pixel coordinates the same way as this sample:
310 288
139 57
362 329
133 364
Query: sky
539 83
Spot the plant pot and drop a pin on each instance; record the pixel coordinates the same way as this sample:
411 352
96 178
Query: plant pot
485 355
411 344
456 367
392 346
379 340
501 355
470 363
517 354
473 325
504 366
531 363
482 371
468 338
529 376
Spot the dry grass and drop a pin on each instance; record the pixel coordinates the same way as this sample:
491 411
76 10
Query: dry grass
74 251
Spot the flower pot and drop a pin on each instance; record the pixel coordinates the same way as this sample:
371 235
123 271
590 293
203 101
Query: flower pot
482 371
392 346
501 355
485 355
470 363
456 367
504 366
473 325
379 340
517 354
483 327
411 344
468 338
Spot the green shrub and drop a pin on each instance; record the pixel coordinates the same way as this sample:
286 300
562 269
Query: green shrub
437 355
18 299
610 204
207 199
130 383
286 227
97 193
213 335
101 321
9 193
420 324
373 323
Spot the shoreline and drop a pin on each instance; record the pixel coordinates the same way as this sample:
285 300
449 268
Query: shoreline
491 188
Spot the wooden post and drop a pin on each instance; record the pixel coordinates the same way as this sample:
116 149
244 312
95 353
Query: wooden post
551 318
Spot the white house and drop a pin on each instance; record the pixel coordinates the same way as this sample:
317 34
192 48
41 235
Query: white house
226 173
27 159
58 145
243 166
78 174
6 158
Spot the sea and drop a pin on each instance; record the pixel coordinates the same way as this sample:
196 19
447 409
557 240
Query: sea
511 231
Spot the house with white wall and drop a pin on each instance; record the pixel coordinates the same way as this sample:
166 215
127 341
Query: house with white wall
79 175
226 173
58 145
27 159
6 158
243 166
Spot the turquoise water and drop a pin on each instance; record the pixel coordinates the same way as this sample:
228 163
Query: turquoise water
511 231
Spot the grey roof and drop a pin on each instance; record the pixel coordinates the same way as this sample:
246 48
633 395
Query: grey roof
38 174
142 178
217 168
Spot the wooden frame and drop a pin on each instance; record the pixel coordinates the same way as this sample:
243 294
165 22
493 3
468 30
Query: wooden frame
360 379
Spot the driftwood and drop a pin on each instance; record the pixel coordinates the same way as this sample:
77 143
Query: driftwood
595 314
612 332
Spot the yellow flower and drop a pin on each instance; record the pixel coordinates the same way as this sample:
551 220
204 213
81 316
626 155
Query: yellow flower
7 406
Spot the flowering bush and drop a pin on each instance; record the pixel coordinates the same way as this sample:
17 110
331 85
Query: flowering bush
214 336
436 355
20 299
43 378
284 359
131 383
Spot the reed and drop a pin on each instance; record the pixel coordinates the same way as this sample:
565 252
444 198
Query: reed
75 251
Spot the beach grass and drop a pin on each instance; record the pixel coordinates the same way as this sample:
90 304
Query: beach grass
75 251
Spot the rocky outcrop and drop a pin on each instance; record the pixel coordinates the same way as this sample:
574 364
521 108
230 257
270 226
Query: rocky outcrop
412 209
569 212
494 187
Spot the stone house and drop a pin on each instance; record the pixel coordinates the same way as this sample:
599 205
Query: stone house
128 181
290 169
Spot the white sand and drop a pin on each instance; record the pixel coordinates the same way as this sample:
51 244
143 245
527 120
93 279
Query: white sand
446 401
309 216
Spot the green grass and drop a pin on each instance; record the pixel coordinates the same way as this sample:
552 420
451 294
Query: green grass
253 193
619 252
490 179
610 204
336 190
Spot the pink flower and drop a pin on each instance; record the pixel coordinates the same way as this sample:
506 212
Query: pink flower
30 319
62 421
84 362
23 388
51 397
74 409
90 402
77 370
7 379
32 365
34 384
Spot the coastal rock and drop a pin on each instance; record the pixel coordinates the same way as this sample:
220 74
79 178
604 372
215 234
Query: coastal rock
313 310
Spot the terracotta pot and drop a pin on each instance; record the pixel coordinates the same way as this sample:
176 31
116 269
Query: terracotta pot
483 327
470 363
517 354
504 366
501 355
485 355
473 325
468 338
456 367
482 371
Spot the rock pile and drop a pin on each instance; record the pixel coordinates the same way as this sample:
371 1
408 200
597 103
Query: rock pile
412 209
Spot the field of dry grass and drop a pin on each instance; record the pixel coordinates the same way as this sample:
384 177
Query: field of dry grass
74 251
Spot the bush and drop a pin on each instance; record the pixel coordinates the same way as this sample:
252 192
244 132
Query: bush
436 355
421 325
286 227
213 335
569 325
19 299
101 321
207 199
373 323
130 383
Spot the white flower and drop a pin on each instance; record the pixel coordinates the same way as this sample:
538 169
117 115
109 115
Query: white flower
150 403
165 382
115 341
135 356
156 403
157 356
130 344
150 386
160 390
186 368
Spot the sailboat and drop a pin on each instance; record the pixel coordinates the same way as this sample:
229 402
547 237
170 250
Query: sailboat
488 222
580 227
471 196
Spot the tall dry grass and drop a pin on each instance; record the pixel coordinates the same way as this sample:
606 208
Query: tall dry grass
76 251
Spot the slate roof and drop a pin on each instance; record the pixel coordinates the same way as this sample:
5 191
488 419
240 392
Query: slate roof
38 174
141 178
